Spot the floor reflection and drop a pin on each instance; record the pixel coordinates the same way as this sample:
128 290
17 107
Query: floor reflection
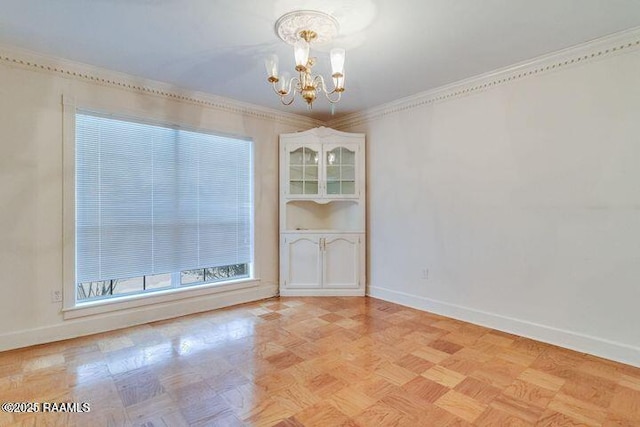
317 362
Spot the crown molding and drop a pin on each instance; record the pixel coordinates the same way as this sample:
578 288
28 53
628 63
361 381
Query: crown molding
617 43
593 50
18 57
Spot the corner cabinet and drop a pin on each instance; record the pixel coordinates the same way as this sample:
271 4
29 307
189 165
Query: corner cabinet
322 213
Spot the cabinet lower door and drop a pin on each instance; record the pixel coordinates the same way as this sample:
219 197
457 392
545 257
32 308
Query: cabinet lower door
341 261
302 262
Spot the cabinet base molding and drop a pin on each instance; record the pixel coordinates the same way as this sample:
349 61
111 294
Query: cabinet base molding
321 292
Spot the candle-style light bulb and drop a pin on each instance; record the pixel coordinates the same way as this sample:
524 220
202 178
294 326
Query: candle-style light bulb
301 53
271 64
283 83
337 61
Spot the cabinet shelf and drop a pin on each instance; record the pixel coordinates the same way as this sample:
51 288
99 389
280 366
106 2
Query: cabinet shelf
326 215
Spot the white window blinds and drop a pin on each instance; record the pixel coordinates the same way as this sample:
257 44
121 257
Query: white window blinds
153 199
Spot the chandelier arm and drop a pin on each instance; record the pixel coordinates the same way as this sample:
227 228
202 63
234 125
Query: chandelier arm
319 81
327 94
277 92
294 87
333 101
288 90
323 84
285 102
291 90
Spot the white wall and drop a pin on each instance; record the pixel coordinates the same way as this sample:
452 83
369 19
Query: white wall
31 187
522 199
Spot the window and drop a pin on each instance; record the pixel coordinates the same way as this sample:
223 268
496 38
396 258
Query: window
158 208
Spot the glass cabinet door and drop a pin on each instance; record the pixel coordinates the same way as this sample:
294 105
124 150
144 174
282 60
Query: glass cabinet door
340 164
303 171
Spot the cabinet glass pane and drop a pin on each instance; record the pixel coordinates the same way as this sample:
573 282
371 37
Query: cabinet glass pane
311 172
348 187
334 157
311 187
333 187
348 173
348 157
303 171
333 173
310 156
295 187
295 173
295 157
338 174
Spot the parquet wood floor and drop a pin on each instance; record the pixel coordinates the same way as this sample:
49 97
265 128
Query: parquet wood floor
317 362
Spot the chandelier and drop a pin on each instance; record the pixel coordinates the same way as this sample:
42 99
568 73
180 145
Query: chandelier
300 29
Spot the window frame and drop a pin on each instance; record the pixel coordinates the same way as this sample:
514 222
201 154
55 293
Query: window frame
72 308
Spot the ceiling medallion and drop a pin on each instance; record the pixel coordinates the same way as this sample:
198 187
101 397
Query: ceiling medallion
300 29
289 26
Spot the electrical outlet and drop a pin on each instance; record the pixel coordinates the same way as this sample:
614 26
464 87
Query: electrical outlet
425 274
56 296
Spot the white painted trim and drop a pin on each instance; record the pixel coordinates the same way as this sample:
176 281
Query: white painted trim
68 202
156 297
34 61
116 320
622 42
318 292
561 337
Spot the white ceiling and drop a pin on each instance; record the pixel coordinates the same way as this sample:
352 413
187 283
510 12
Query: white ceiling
394 48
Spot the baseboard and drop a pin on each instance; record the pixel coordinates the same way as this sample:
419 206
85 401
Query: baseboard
315 292
125 318
568 339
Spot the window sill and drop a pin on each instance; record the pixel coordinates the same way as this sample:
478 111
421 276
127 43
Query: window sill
158 297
